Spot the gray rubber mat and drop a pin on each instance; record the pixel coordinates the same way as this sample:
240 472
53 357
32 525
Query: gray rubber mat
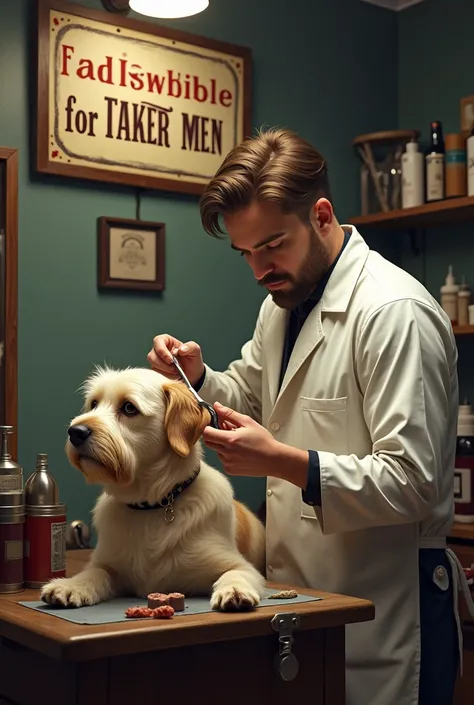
114 610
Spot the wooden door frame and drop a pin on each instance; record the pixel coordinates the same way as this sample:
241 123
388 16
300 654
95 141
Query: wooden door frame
10 157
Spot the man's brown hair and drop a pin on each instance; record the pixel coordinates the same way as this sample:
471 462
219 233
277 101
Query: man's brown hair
276 165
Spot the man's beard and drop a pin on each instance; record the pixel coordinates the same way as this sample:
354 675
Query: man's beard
312 270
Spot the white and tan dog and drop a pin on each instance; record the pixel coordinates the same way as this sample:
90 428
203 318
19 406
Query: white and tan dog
166 521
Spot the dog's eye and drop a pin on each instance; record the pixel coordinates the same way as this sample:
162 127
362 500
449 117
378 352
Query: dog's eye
94 404
129 409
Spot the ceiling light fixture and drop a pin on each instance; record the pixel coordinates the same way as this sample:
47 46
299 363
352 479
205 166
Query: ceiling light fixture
168 9
396 5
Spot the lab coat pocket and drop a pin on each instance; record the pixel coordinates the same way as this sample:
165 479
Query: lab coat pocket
324 428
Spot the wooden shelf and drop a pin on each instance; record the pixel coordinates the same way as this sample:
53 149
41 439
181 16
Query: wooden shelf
462 531
449 211
463 330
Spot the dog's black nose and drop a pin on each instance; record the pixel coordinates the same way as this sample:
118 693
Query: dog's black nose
79 434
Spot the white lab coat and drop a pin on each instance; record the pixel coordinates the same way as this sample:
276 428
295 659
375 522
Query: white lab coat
372 386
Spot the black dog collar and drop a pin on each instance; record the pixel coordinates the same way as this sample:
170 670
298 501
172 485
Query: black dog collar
166 502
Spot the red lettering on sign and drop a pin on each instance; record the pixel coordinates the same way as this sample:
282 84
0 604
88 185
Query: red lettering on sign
120 72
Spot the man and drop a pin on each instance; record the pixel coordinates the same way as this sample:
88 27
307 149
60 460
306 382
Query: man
346 399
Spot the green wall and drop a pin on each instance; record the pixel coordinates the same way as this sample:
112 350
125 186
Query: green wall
434 73
315 68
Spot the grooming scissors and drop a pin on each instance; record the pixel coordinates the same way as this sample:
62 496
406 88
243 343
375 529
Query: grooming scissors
201 402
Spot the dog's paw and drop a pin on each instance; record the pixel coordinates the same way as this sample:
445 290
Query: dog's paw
68 593
231 598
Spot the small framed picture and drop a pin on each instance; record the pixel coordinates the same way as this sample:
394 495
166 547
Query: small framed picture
131 254
467 114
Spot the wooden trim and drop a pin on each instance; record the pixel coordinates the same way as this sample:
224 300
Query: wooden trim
64 640
385 136
462 531
10 156
43 162
463 330
446 212
60 639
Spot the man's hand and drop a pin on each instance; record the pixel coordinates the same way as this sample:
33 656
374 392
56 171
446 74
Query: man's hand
244 447
189 354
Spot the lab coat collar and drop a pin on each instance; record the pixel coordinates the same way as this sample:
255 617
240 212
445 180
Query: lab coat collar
343 280
336 298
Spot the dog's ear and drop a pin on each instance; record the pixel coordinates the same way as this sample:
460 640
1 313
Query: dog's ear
185 420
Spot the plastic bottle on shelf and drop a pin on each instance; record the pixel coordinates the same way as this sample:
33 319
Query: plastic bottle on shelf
464 299
456 165
449 296
413 187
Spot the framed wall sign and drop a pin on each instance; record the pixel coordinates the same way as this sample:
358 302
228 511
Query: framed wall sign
132 102
131 254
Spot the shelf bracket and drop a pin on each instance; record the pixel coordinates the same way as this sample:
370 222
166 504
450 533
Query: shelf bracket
417 238
412 232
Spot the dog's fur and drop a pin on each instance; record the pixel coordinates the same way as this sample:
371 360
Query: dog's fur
214 545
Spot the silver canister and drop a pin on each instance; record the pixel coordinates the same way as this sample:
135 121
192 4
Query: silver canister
45 528
12 519
12 528
11 474
41 487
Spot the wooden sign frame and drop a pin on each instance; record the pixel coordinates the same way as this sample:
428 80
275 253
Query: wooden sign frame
10 293
192 131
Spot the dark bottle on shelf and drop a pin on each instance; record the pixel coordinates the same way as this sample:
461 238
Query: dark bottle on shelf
435 163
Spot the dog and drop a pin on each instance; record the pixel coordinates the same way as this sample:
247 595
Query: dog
166 521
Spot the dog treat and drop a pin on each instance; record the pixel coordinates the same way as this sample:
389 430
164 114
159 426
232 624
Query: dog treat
157 599
283 595
138 612
163 612
176 600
